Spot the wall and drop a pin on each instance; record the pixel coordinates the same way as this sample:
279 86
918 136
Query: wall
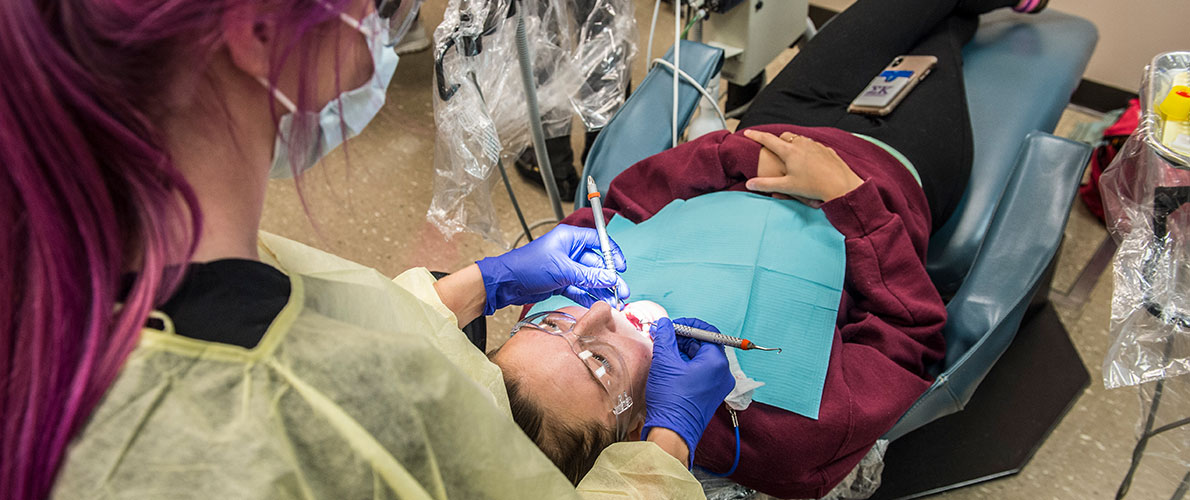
1130 34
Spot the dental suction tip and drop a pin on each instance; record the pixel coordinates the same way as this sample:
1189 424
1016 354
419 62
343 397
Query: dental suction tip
591 185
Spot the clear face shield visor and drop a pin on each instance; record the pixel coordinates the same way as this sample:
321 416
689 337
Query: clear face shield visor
397 16
603 361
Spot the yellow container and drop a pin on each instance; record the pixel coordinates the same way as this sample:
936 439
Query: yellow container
1176 106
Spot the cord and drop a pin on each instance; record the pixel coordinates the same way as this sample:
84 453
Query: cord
677 64
736 463
652 28
520 216
697 86
693 20
500 164
517 242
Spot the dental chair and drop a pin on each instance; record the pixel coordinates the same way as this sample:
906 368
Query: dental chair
991 258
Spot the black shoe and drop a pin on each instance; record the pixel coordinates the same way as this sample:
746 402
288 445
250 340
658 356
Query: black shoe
565 177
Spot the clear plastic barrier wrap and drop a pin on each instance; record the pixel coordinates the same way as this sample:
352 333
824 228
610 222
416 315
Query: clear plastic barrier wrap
580 53
606 46
861 483
1146 194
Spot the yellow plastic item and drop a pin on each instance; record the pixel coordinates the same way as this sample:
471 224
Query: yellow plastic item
1176 105
362 388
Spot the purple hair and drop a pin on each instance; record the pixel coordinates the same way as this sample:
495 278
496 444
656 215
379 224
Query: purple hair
88 193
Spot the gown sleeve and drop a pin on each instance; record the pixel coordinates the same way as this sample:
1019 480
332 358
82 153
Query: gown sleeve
638 470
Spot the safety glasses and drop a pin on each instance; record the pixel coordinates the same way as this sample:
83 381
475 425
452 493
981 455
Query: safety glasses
397 16
603 361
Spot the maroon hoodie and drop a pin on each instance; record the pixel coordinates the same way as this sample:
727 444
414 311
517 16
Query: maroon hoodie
889 328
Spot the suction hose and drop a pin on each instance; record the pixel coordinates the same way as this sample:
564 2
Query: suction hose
530 84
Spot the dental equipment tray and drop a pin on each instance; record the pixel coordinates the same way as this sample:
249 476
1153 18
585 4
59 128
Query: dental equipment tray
1162 74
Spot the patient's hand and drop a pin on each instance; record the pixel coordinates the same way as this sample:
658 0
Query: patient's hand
800 168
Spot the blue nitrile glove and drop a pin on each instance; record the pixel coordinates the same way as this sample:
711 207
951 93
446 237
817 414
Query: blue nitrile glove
689 346
687 382
564 261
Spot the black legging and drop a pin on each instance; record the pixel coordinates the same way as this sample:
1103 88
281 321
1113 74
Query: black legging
931 126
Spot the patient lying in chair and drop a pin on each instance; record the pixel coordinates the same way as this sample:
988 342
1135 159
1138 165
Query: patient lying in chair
885 335
883 183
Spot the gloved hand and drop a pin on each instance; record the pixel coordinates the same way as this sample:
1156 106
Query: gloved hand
687 382
565 260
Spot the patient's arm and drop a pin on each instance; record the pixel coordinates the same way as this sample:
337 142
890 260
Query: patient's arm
718 161
800 167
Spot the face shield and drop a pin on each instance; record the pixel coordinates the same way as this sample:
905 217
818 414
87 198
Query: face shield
397 16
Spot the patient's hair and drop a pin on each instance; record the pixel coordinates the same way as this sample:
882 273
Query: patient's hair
572 448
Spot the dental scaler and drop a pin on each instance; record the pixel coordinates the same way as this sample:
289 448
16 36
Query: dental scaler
643 314
719 338
605 246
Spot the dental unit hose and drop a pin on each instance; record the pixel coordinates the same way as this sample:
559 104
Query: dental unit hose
529 82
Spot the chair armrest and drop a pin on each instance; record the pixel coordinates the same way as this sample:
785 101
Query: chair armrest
1021 240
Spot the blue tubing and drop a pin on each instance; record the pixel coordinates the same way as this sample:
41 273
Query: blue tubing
734 464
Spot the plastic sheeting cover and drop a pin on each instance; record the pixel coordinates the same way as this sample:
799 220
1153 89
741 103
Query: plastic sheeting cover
580 53
859 484
1143 189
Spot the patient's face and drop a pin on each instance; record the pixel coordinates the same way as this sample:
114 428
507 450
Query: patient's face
562 384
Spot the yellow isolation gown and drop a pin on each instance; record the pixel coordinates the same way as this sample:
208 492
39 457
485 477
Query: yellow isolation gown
361 388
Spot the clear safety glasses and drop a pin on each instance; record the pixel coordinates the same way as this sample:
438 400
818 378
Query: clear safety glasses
397 16
604 361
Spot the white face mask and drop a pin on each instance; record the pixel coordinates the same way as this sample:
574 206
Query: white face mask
341 118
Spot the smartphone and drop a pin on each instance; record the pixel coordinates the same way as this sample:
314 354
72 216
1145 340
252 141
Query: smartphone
891 86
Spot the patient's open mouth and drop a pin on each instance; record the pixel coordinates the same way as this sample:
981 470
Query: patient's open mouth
642 314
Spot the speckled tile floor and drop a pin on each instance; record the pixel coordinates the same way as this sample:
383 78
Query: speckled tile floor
371 209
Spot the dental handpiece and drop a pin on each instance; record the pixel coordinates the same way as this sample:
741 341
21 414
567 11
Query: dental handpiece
719 338
605 246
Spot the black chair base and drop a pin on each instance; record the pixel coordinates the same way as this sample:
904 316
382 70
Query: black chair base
1026 394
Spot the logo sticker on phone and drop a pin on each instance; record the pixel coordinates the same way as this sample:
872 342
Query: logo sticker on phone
884 88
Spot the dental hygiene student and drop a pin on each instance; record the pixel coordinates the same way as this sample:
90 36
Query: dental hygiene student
157 345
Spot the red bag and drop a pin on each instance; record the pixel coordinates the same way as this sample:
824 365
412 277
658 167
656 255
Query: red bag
1113 137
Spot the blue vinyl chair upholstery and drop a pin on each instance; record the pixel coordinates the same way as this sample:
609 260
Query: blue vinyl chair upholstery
1024 233
641 128
1020 72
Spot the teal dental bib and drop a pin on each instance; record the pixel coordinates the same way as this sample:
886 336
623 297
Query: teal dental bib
756 267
